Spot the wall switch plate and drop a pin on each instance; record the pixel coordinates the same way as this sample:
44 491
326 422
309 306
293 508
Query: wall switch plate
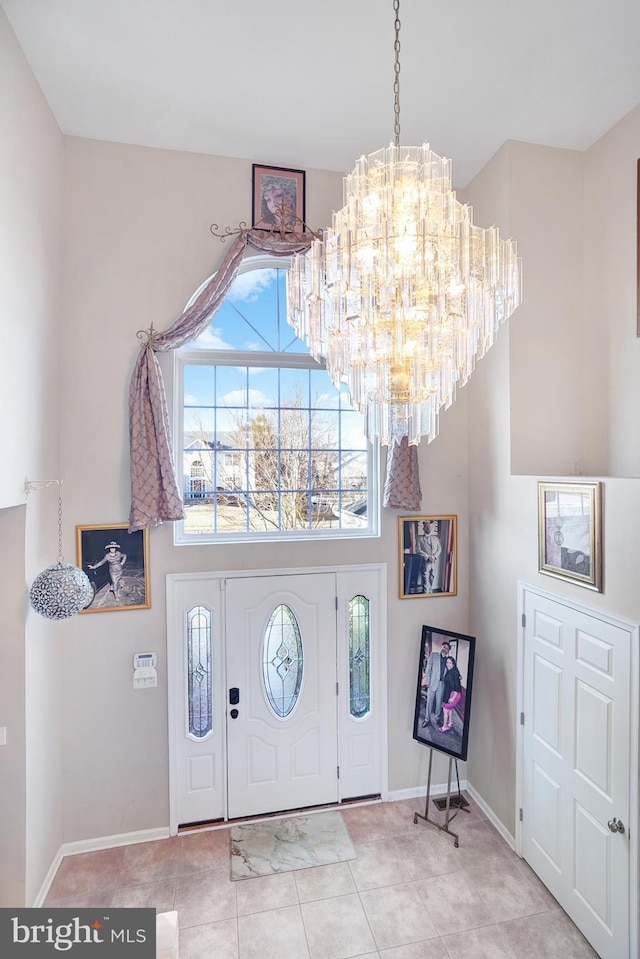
3 735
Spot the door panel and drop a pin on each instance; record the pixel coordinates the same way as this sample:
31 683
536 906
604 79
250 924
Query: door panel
279 763
196 758
576 750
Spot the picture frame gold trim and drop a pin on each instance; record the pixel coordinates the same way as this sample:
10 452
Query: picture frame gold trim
419 576
570 532
132 585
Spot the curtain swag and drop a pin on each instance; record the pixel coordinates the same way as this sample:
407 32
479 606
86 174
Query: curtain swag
155 495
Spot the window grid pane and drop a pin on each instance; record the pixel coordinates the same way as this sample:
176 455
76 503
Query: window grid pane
359 657
199 672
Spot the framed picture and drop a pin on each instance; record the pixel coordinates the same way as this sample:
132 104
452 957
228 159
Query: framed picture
443 694
570 532
278 197
428 560
117 564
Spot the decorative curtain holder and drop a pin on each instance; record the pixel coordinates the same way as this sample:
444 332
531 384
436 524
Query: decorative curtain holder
61 590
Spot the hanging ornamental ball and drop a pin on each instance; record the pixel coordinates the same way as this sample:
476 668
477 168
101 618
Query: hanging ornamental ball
60 591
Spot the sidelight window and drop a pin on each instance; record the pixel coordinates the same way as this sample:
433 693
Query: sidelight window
359 657
199 672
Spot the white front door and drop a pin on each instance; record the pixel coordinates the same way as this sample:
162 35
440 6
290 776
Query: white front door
281 692
575 764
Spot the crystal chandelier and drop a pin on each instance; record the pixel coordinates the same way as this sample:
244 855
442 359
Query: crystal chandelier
402 293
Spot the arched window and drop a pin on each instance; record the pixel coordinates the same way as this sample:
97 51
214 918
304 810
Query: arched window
281 454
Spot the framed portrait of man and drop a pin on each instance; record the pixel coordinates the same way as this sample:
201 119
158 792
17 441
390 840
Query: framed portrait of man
428 559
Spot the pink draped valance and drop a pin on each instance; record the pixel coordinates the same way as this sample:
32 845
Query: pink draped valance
155 495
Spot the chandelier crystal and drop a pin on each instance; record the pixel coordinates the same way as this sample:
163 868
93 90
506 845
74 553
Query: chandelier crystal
402 293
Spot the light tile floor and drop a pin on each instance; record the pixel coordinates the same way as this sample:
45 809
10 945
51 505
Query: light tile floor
410 894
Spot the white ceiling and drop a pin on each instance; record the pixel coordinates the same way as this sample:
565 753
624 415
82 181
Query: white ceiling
309 83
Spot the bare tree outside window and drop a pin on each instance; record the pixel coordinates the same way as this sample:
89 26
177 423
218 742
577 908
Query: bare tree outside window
276 469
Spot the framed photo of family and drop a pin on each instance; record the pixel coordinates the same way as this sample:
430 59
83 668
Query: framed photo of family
443 694
278 198
570 532
428 562
117 564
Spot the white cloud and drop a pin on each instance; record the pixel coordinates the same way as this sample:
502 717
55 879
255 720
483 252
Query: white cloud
210 340
248 286
190 399
238 398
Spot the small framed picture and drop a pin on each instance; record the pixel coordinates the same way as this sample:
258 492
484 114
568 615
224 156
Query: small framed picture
570 532
428 558
117 564
443 694
278 198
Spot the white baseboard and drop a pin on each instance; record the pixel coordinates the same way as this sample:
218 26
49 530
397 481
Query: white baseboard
440 789
93 845
48 879
420 792
109 842
491 816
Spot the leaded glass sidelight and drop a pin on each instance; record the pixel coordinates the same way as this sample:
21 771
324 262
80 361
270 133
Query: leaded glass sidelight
199 671
282 660
359 657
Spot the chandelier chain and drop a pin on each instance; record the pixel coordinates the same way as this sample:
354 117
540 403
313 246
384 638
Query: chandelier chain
396 72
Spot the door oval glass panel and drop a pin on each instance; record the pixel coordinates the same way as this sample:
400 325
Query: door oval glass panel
282 661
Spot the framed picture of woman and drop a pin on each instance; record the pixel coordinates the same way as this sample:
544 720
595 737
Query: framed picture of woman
443 693
278 198
117 564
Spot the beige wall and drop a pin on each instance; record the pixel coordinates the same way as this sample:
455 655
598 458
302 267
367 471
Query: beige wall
611 394
138 245
31 161
503 506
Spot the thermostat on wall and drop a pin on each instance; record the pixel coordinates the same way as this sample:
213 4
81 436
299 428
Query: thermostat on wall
141 660
145 673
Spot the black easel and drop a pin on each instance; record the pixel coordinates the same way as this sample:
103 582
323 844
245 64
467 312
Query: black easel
459 802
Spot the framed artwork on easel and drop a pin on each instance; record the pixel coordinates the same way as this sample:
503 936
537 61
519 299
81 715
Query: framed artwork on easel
443 693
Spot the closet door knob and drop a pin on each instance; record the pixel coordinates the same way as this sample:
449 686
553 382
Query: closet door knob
616 825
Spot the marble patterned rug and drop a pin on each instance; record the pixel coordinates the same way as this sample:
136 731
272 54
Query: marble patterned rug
280 845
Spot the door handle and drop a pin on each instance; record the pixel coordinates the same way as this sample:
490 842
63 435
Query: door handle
234 714
616 825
